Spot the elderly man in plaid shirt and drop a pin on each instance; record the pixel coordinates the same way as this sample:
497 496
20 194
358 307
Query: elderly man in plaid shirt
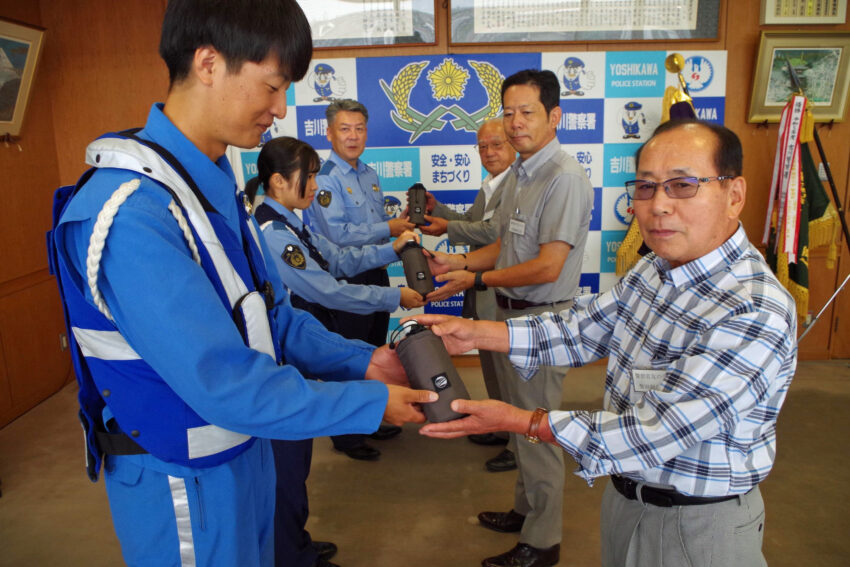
701 346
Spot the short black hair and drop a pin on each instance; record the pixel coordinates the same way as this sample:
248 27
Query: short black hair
545 81
346 105
248 30
728 156
283 155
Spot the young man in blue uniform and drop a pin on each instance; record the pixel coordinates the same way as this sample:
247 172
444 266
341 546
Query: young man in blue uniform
188 353
349 211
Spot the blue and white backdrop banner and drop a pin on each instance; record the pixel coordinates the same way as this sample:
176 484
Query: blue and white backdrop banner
424 112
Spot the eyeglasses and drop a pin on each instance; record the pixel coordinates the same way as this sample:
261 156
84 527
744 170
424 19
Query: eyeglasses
496 146
676 188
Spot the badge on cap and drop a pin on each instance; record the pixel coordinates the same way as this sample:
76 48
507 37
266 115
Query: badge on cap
293 256
324 198
375 188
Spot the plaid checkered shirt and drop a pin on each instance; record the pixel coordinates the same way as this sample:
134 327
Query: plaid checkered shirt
718 334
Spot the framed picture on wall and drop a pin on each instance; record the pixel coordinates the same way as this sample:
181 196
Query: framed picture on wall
796 12
363 23
20 46
542 21
820 61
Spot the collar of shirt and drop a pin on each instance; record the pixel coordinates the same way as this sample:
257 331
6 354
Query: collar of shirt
209 176
344 165
490 184
705 267
526 168
290 216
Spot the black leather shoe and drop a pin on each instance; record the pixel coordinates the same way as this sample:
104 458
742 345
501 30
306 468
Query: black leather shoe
325 549
325 563
363 452
487 439
504 461
385 432
523 555
507 522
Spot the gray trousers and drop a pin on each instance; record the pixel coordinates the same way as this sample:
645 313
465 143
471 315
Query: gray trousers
724 534
484 306
539 491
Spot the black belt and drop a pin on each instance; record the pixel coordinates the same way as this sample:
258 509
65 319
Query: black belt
510 303
660 496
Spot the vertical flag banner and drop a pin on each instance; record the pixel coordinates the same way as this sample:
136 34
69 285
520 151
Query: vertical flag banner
424 112
800 215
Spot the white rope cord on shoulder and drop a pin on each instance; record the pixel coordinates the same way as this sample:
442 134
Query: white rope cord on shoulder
187 232
101 231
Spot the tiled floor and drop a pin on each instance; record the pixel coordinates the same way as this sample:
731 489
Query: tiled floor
417 505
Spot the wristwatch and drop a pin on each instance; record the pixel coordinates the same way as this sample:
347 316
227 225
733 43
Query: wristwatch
479 283
534 425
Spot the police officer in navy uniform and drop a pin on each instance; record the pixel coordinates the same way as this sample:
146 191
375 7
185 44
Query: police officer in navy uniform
349 211
188 353
287 170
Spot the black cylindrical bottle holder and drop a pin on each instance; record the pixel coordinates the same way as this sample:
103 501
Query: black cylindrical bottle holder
429 367
416 201
416 268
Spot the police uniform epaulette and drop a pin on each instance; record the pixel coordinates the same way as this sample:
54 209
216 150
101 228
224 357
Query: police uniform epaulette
327 167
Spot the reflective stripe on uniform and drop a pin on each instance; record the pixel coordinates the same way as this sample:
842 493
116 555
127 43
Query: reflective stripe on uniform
106 345
180 499
210 439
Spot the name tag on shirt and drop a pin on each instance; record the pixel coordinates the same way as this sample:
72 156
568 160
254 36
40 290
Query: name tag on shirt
488 215
645 380
517 227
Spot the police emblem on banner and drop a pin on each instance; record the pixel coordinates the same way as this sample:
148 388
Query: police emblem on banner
293 256
448 81
698 73
324 197
324 81
623 209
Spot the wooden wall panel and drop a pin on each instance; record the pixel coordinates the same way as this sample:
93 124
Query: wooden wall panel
29 307
31 322
105 71
27 176
839 322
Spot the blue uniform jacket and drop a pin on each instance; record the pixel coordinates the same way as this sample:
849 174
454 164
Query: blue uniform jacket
314 284
349 208
169 312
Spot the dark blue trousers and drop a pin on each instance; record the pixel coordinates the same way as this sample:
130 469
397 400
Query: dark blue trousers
293 546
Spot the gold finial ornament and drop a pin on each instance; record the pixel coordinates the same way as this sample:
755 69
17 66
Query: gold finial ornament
674 63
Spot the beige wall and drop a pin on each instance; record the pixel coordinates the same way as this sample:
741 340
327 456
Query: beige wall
100 72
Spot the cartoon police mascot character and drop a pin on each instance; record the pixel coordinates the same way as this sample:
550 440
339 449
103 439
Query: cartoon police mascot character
631 119
392 206
573 72
326 84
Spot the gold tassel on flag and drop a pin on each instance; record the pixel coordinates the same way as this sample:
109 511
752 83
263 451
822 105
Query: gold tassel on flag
627 253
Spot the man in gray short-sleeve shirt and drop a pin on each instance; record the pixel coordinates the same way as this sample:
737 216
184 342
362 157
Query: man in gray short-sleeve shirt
535 267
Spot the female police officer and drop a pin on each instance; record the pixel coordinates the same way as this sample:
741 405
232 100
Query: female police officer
309 264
